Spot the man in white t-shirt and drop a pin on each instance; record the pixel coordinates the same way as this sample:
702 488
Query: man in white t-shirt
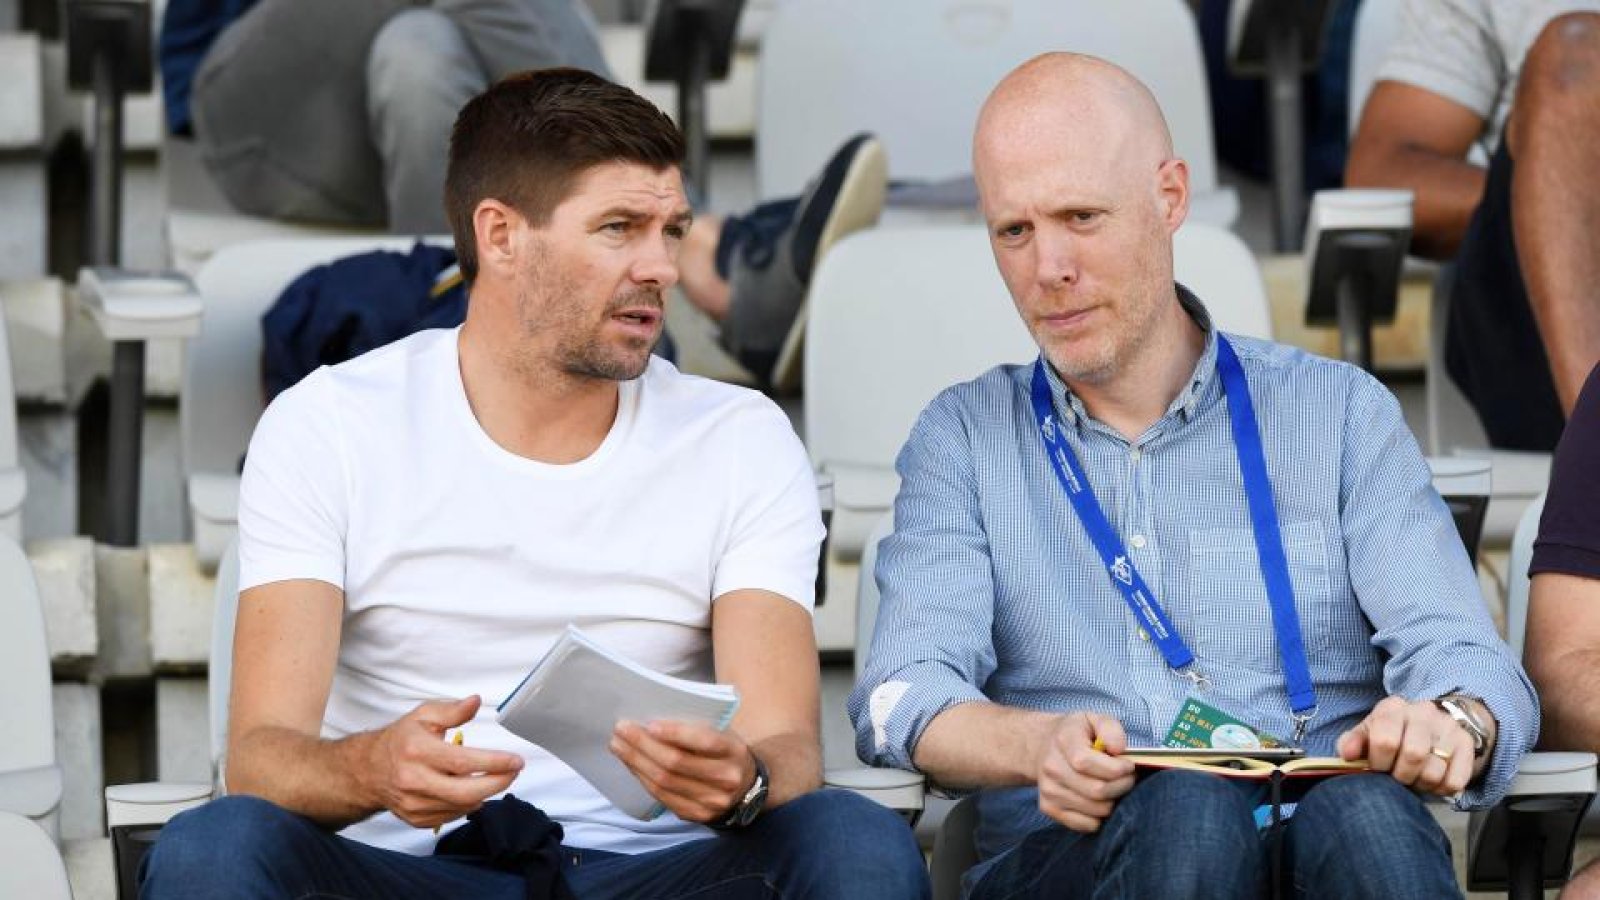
1520 79
419 525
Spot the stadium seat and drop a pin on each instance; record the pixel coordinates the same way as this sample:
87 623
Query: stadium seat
916 71
30 779
913 310
30 865
222 396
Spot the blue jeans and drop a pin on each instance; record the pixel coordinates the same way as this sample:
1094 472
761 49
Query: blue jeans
825 845
1187 834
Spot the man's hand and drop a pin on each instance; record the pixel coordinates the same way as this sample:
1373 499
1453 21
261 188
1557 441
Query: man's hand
415 774
694 770
1416 742
1079 785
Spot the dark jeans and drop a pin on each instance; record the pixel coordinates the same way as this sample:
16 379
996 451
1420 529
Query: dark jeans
1492 345
825 845
1187 834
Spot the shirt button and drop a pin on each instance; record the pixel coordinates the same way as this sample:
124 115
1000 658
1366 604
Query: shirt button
1138 542
1144 635
1135 454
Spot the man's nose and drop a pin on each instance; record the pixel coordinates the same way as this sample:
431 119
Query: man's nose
657 263
1057 259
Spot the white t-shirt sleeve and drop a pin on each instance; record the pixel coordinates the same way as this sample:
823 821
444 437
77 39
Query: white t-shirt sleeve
293 497
776 532
1447 47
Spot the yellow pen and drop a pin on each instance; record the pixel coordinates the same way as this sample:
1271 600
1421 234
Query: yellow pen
456 739
1099 746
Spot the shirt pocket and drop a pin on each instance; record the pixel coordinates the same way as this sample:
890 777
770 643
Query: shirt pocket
1233 616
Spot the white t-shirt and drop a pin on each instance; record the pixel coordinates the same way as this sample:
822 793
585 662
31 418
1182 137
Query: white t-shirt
1471 51
461 563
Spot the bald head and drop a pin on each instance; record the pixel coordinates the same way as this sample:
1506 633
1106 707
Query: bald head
1069 100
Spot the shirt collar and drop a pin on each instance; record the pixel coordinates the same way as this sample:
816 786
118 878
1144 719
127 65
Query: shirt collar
1198 392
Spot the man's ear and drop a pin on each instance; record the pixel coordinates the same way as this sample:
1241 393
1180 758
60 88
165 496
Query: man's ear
495 227
1172 189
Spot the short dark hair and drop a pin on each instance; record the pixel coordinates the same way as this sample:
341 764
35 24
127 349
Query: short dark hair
527 139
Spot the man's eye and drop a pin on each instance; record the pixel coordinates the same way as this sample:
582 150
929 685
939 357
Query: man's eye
1085 216
676 232
619 226
1012 231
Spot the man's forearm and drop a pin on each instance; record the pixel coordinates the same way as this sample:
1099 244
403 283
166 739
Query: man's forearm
1569 697
1446 191
794 765
974 745
319 779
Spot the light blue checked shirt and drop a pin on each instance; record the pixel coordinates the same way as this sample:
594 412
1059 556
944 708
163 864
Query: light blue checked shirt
992 590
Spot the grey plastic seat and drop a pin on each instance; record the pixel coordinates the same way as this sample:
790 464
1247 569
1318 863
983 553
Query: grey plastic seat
222 373
916 71
30 864
30 779
858 333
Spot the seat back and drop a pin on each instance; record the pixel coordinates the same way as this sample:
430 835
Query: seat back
916 71
12 481
30 865
219 669
1518 584
222 395
895 315
29 746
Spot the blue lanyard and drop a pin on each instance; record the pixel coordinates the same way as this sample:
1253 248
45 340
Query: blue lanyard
1263 519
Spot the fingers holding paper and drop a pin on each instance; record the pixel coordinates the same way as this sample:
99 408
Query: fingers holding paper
692 769
425 780
1416 742
1080 777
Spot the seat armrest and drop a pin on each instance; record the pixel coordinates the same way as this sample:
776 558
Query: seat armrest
140 306
32 793
1524 844
151 802
673 27
135 815
898 789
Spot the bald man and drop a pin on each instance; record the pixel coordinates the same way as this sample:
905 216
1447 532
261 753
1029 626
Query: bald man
1161 534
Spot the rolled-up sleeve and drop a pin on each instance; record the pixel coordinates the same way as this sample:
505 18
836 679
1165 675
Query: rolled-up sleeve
932 648
1417 587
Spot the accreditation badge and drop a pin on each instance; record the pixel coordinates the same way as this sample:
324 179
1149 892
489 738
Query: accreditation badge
1199 725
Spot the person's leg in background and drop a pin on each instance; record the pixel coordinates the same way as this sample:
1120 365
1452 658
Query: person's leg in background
420 71
514 35
1370 837
280 111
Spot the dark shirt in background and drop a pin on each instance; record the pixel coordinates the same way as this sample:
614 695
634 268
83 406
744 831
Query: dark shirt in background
1569 530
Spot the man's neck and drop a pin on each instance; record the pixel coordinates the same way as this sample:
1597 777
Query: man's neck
1139 394
535 411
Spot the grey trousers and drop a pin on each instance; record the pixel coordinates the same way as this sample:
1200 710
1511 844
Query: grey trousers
339 111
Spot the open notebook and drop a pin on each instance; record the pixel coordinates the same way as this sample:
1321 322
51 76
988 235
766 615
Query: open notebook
1243 764
573 698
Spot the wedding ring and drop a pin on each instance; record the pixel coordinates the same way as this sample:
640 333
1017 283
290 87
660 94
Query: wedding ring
1442 753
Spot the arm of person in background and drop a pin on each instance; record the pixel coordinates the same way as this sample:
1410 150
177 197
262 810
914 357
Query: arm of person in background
918 705
1412 138
286 644
1563 635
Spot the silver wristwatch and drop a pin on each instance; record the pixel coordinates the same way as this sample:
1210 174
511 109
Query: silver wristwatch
1468 720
